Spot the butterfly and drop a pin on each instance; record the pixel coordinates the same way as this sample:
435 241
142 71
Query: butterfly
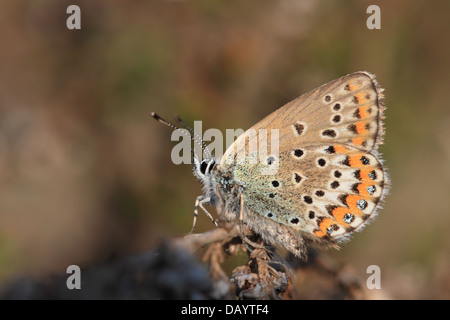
329 178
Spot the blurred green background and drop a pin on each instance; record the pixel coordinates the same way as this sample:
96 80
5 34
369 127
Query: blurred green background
86 173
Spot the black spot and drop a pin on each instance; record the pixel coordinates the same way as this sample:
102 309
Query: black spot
337 118
298 153
347 87
330 149
295 221
275 183
343 199
329 133
321 162
356 114
364 160
346 162
332 228
299 128
358 174
352 128
355 188
297 178
270 214
367 126
330 209
320 193
337 174
327 98
355 99
334 184
348 218
270 160
271 195
362 204
337 107
372 175
307 199
376 200
368 96
311 215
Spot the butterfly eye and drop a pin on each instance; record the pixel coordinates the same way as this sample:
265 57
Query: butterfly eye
206 167
203 167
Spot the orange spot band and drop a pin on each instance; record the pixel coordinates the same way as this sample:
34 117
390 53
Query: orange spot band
340 149
358 141
361 98
364 174
355 160
361 127
324 224
339 213
363 112
362 188
352 203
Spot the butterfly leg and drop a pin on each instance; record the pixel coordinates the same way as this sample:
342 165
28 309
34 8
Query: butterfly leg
199 203
241 228
206 200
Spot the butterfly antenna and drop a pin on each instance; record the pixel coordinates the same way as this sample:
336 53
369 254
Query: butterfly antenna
194 136
159 119
197 139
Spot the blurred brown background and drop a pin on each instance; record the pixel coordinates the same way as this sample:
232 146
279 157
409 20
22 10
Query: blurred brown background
86 173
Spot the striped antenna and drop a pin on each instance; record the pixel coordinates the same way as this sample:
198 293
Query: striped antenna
195 137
